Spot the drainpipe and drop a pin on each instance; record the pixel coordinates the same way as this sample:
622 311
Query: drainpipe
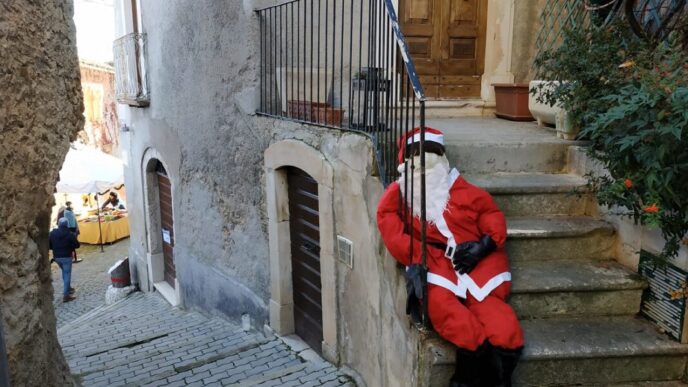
4 370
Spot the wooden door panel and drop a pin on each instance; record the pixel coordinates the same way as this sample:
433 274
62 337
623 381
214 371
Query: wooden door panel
461 11
460 79
447 42
167 223
304 227
458 91
417 20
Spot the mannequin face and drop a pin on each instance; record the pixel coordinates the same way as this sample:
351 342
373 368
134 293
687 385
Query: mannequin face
431 160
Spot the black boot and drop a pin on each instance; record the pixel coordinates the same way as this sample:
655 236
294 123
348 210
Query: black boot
507 360
470 366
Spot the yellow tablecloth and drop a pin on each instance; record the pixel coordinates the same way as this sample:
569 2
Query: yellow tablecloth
112 231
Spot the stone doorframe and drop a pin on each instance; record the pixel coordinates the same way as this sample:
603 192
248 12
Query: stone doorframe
291 153
154 254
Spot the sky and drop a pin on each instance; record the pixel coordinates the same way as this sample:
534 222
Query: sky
95 29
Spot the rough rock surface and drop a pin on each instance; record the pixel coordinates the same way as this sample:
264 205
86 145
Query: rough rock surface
41 111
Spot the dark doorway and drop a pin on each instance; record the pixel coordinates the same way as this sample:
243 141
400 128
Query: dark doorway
304 227
166 223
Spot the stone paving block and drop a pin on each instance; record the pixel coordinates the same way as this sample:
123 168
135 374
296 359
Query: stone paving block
215 378
329 377
197 377
195 350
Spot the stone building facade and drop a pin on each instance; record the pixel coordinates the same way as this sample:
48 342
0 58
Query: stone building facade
207 183
40 115
100 108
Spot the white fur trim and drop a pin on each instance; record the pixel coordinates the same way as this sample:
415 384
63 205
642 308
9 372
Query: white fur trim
478 292
438 138
441 223
465 283
438 280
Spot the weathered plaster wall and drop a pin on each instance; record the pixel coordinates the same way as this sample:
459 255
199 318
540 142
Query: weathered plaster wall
203 73
526 27
40 113
373 333
202 69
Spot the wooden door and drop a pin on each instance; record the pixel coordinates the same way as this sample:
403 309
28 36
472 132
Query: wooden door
166 224
446 39
304 227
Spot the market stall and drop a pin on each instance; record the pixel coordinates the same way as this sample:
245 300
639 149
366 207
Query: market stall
112 228
93 173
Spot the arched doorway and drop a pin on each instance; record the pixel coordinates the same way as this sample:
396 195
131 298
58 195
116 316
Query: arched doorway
304 230
159 215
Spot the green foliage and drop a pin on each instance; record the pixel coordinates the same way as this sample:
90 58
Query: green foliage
630 99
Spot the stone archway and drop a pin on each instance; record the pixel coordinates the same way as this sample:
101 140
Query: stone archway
158 276
291 153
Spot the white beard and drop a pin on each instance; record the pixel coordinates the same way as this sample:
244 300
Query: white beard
436 186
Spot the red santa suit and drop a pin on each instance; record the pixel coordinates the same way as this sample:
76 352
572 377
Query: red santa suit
465 309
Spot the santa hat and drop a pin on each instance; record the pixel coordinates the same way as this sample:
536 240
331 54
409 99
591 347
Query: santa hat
431 136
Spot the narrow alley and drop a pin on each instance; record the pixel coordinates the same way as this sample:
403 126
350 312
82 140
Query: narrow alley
142 340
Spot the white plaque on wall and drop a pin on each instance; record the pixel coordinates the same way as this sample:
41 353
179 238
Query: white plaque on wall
166 236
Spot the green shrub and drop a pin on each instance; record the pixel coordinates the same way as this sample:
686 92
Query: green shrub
630 100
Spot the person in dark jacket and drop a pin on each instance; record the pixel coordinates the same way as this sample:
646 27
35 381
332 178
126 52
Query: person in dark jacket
63 243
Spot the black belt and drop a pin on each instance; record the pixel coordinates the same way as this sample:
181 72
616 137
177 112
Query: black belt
448 252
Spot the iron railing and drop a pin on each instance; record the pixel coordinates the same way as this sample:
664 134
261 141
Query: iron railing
131 86
341 64
344 64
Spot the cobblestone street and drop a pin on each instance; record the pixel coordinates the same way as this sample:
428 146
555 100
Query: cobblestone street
90 279
142 340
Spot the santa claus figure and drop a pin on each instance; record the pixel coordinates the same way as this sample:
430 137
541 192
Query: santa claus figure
468 278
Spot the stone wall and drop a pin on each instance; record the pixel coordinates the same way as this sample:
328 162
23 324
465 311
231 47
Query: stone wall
203 66
40 114
526 27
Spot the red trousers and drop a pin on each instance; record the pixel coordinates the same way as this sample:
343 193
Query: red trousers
467 323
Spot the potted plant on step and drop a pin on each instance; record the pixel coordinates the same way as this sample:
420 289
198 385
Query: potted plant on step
512 101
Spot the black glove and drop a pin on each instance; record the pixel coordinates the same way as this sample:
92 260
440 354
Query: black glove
468 254
416 281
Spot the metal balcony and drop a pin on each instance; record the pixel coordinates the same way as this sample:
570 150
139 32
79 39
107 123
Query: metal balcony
131 86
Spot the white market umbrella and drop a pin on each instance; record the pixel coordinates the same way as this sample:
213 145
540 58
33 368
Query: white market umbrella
88 170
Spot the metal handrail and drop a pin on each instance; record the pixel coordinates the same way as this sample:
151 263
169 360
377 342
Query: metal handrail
405 54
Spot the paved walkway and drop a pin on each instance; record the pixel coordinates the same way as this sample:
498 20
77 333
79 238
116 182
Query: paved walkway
90 279
142 340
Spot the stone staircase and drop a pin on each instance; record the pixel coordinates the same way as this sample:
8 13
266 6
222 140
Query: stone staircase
577 304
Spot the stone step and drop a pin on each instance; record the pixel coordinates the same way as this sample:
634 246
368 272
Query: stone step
487 145
544 289
580 351
537 194
597 351
459 108
559 238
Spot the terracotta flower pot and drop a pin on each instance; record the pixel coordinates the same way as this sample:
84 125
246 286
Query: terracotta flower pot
512 101
304 110
328 115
